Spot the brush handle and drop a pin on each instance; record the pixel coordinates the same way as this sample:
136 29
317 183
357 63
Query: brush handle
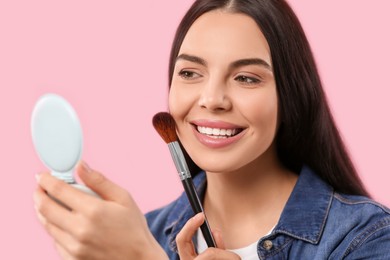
189 188
192 196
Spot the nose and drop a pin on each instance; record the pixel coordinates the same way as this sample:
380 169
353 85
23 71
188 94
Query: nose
214 97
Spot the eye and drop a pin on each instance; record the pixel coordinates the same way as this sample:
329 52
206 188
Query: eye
187 74
247 80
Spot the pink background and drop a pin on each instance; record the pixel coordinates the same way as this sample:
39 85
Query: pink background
109 59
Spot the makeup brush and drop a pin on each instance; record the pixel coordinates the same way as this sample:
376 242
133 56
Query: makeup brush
166 127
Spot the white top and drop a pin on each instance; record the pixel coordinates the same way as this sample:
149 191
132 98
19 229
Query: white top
246 253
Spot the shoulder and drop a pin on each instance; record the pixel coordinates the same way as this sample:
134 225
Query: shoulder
365 224
166 222
158 219
160 223
365 205
159 213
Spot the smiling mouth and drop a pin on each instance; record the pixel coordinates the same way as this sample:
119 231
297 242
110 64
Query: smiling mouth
218 132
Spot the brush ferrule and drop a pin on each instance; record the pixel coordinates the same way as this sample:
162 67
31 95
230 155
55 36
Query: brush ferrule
179 160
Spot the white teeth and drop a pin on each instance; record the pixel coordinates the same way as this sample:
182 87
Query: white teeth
216 132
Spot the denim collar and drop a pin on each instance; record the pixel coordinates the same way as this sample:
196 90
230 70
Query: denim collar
307 209
303 217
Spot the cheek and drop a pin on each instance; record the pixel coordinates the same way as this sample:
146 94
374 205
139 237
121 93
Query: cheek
171 101
262 111
259 103
179 106
180 101
174 102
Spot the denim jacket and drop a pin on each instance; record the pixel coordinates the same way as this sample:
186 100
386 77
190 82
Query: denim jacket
316 223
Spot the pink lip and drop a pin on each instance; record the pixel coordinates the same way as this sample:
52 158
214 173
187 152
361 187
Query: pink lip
216 142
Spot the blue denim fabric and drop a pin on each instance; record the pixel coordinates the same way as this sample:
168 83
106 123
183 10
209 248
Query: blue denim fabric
316 223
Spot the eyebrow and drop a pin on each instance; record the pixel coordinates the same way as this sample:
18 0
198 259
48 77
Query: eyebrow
235 64
252 61
191 58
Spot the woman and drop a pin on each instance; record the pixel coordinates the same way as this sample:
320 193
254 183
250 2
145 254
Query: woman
251 113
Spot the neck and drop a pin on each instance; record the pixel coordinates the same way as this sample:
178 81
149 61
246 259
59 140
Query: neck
246 204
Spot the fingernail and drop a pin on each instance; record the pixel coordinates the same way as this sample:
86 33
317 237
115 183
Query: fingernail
198 216
86 167
37 177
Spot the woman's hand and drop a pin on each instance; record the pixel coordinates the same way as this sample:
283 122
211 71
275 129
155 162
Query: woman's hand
186 247
109 228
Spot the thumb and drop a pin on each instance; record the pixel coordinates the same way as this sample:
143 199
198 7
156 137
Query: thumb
101 185
217 234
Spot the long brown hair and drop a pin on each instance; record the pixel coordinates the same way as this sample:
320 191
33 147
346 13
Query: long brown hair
308 134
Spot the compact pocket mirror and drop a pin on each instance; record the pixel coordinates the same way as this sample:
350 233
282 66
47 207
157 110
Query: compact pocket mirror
57 137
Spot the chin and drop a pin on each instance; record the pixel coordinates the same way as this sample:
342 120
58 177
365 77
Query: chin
216 167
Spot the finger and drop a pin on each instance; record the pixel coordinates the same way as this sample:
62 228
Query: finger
63 240
65 193
63 253
67 245
216 253
217 234
103 186
52 212
184 243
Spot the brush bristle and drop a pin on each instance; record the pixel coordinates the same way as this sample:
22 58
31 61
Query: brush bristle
165 125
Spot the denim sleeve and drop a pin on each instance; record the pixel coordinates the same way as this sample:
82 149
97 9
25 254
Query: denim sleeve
372 243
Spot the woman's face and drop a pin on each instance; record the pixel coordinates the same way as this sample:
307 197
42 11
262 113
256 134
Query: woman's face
223 94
